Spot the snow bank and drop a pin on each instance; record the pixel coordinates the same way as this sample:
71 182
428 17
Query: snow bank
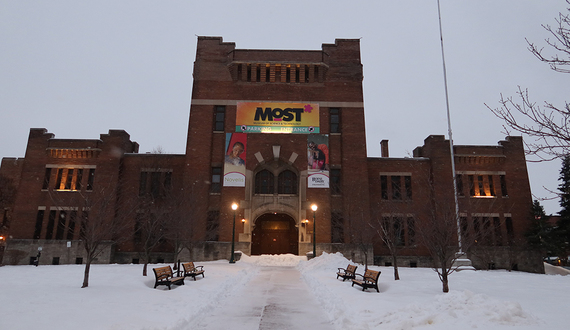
281 260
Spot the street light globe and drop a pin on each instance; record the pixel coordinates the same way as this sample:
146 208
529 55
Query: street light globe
234 206
314 207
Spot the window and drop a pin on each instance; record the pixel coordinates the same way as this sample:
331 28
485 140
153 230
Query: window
411 231
398 231
216 185
337 227
66 179
264 182
160 183
408 186
55 261
396 187
71 226
212 225
384 186
78 261
219 118
334 117
481 186
39 224
510 230
61 225
155 184
287 182
335 182
504 186
498 234
51 224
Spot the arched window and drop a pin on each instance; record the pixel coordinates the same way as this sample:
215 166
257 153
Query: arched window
287 182
264 182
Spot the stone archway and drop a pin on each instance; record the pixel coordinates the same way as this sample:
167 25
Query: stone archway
275 233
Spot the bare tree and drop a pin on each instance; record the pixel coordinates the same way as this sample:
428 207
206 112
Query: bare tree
438 233
390 230
102 223
548 124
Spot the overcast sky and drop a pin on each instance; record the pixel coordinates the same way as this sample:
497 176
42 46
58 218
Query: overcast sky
80 68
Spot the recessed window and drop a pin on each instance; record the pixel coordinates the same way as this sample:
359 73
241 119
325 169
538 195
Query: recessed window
216 185
219 118
287 182
264 182
334 117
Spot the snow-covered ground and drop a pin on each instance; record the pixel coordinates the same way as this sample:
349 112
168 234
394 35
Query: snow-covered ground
119 297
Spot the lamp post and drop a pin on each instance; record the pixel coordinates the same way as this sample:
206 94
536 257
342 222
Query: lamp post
314 208
234 207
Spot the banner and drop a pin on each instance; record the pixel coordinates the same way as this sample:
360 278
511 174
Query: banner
276 117
234 164
318 161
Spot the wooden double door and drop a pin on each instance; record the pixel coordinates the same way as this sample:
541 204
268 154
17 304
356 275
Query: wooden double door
275 233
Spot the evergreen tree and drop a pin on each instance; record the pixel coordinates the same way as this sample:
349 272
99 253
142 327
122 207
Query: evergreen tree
539 235
562 229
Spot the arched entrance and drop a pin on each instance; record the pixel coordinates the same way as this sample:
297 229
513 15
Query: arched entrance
275 233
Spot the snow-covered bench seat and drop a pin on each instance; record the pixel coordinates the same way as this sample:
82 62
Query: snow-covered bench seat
348 273
164 276
191 270
369 280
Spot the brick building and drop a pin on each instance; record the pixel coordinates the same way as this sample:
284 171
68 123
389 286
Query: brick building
275 132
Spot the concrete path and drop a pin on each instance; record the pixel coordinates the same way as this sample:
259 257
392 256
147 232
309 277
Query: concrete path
276 299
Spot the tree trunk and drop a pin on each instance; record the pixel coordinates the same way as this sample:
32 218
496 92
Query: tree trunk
445 281
144 267
396 274
86 274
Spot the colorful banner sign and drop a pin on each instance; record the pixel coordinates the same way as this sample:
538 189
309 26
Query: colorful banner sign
318 161
234 164
275 117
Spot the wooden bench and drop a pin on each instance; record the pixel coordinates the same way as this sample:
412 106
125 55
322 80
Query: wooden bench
191 270
369 280
347 273
164 276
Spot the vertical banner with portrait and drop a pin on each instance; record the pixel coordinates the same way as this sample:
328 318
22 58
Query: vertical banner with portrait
234 164
318 160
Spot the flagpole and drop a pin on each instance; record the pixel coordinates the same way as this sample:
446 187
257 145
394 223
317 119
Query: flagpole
450 134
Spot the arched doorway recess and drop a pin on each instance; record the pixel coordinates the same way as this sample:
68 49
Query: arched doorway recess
275 233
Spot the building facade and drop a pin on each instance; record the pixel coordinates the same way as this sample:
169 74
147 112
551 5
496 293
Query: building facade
273 132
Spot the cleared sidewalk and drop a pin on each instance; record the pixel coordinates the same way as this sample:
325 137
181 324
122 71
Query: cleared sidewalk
277 298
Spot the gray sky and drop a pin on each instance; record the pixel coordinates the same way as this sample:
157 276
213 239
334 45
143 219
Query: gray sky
80 68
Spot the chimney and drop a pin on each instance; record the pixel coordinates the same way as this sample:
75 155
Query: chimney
384 148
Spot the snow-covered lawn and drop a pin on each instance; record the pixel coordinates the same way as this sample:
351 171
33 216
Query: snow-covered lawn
119 297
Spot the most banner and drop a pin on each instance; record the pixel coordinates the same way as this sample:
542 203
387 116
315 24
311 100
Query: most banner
275 117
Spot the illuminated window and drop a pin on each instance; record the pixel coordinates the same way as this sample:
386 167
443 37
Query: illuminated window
481 186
